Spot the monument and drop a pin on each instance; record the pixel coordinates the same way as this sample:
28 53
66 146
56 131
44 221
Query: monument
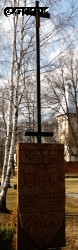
41 196
41 185
41 181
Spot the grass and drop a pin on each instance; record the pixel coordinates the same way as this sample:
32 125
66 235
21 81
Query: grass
71 233
11 202
6 219
72 205
11 199
71 185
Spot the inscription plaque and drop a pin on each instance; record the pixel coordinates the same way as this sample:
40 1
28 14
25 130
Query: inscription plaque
41 195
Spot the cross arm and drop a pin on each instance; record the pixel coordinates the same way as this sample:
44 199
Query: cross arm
31 133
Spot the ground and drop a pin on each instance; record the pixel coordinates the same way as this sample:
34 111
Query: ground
71 228
71 186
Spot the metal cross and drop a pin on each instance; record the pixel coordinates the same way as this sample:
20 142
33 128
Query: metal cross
38 12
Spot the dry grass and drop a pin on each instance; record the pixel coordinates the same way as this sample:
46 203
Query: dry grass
71 205
11 204
71 186
71 233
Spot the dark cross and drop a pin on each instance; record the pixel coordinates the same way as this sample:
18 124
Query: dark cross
38 12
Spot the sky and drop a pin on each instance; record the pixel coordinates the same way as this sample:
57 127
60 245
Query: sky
54 45
57 43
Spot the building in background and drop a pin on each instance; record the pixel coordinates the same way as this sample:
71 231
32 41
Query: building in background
68 125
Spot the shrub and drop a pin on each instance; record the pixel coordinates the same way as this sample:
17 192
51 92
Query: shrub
6 234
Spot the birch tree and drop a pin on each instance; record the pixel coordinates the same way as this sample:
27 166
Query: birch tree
62 96
11 130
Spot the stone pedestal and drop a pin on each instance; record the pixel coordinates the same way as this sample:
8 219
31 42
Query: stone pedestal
41 196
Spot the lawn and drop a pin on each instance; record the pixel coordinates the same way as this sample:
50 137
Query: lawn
71 186
7 218
11 203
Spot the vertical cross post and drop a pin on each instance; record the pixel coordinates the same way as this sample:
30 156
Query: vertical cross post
38 12
38 72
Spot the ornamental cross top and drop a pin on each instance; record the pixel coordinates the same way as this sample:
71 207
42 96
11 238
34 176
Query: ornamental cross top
27 11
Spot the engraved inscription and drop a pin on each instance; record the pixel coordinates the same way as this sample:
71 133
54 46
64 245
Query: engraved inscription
41 192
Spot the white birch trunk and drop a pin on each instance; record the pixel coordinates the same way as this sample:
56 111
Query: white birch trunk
10 149
10 158
9 123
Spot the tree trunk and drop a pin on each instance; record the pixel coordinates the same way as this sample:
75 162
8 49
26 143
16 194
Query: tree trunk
10 107
3 200
10 143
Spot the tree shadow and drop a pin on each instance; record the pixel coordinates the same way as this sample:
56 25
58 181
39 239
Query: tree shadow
5 211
